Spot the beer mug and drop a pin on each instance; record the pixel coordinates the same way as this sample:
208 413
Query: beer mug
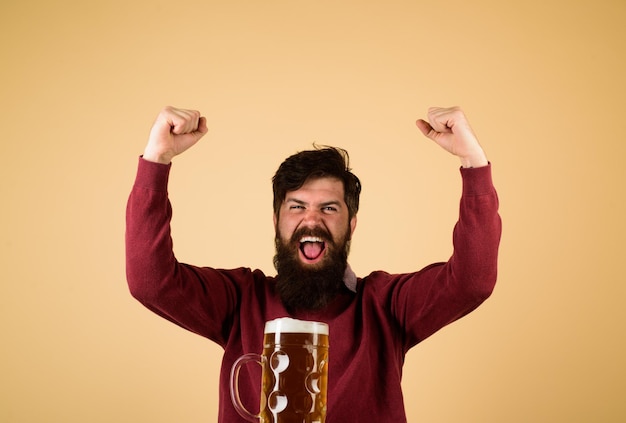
294 373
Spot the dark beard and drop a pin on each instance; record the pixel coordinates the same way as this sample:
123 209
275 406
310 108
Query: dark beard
310 287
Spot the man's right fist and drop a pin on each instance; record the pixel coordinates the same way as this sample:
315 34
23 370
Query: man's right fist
174 131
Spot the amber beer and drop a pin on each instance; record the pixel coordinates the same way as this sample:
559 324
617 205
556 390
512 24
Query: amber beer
295 373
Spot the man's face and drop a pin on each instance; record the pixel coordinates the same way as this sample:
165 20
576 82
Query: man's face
313 231
318 215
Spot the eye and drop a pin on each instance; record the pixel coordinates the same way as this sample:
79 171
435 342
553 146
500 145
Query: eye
329 209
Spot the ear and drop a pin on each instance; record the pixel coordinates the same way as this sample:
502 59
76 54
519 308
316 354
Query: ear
352 225
275 219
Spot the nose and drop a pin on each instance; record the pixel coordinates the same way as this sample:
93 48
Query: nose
312 218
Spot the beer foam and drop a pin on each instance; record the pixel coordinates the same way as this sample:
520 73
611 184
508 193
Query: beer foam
289 325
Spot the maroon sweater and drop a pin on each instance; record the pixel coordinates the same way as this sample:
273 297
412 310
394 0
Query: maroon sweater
372 325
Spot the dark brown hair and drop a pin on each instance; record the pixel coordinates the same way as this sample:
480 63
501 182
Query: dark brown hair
322 162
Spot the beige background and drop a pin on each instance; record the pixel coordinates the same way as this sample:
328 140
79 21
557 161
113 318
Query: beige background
543 85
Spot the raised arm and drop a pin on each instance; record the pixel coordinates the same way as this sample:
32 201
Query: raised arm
198 299
428 300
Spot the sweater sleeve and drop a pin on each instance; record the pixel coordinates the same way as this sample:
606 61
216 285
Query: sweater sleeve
441 293
201 300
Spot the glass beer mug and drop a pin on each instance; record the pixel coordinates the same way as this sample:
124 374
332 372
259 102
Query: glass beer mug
294 373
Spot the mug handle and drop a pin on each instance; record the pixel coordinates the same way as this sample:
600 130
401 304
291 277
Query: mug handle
234 385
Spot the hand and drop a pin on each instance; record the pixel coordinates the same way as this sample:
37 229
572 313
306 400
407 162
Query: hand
174 131
449 128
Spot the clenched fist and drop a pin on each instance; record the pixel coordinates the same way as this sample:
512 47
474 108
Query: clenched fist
174 131
449 128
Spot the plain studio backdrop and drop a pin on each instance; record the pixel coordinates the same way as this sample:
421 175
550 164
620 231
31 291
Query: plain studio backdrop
542 83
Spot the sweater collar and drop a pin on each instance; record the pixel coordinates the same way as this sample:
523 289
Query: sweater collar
349 279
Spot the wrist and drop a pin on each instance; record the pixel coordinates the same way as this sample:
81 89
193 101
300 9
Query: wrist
478 159
156 157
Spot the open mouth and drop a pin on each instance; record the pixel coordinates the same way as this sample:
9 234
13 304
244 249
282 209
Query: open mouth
312 248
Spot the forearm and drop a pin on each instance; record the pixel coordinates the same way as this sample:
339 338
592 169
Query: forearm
476 236
150 260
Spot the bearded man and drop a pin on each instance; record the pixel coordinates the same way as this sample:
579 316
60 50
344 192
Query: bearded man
314 221
373 320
